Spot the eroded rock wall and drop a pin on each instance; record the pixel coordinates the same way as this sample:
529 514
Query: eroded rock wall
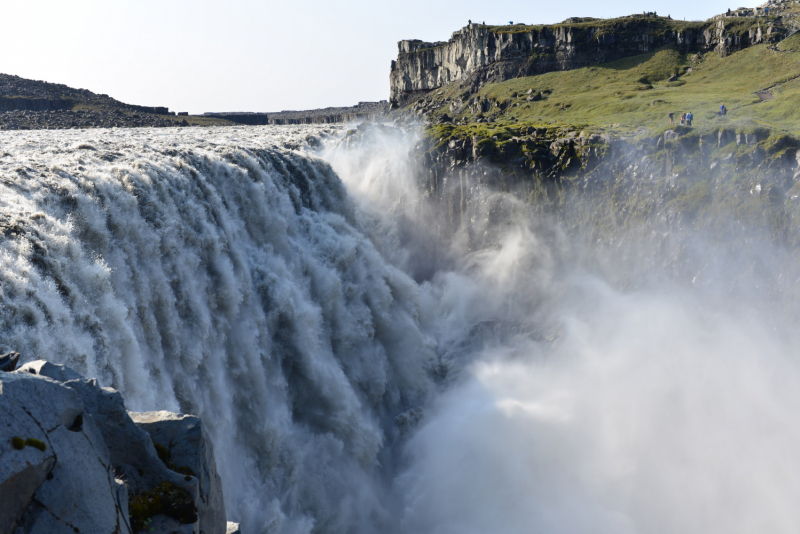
489 54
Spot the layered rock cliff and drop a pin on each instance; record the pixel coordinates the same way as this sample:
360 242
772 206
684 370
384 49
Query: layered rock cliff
494 53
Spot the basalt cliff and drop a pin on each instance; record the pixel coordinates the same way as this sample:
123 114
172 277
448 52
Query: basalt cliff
481 53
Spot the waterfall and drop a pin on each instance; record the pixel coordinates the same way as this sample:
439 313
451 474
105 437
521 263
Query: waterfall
371 359
227 274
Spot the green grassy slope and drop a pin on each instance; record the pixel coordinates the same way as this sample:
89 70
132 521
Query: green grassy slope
634 95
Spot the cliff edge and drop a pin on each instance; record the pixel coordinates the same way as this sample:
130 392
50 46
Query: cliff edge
479 53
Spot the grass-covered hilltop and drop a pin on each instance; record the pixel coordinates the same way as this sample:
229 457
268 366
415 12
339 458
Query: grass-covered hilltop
749 63
581 108
758 85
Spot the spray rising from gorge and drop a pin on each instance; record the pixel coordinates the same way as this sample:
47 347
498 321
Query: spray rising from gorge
368 358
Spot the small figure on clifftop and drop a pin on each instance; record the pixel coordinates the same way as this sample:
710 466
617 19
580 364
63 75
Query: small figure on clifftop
689 118
723 110
683 119
671 119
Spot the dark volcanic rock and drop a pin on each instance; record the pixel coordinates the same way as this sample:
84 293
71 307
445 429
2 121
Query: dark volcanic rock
35 105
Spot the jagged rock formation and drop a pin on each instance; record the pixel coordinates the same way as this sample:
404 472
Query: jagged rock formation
480 54
73 460
360 112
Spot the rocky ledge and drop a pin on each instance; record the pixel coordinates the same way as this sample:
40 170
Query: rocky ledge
73 460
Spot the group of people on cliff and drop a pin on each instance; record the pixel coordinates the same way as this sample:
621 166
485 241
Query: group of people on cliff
686 119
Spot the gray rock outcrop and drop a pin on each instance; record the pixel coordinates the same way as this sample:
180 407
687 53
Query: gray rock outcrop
189 450
73 460
55 473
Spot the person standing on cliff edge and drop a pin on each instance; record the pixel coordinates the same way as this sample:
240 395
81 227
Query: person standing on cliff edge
671 119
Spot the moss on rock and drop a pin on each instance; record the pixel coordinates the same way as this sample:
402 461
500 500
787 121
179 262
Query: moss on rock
165 499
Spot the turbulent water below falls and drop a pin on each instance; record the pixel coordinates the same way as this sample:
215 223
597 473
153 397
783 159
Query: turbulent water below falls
273 289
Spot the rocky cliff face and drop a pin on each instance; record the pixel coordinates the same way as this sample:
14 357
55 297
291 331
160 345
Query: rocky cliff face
72 459
483 53
657 192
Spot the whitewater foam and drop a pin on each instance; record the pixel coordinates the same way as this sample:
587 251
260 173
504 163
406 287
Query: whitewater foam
223 273
364 366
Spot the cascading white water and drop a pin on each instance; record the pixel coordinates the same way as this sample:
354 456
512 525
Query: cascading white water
230 273
223 274
570 406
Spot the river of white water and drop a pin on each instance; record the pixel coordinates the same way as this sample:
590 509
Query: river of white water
275 290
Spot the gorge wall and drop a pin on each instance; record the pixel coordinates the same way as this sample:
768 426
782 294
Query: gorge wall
494 53
686 201
363 111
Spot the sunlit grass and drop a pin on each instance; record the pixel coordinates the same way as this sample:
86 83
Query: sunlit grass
632 94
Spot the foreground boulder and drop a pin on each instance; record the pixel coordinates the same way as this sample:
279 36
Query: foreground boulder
73 460
24 464
55 473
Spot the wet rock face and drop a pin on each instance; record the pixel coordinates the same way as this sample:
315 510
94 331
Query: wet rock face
73 460
664 183
490 55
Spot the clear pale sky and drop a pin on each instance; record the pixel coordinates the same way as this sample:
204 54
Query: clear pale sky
246 55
